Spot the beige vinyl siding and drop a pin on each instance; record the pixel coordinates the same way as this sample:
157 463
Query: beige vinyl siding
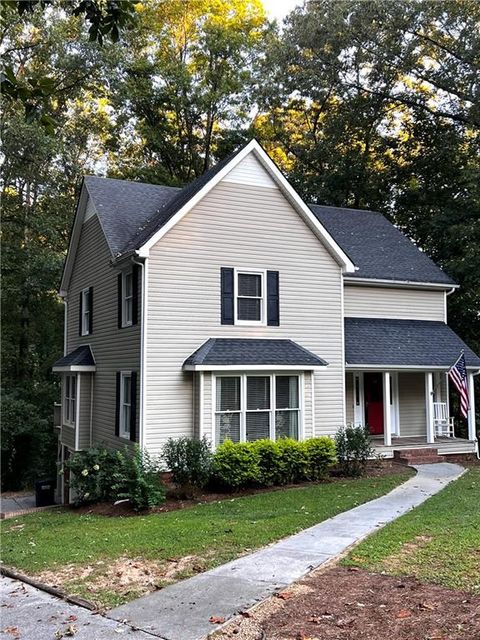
349 398
250 171
386 302
248 227
114 349
67 436
411 391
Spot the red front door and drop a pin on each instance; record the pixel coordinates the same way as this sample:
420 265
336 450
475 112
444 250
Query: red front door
373 384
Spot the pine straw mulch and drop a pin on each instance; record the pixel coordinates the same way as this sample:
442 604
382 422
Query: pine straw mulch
353 604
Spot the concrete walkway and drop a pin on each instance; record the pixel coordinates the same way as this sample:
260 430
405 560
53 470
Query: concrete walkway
31 614
182 611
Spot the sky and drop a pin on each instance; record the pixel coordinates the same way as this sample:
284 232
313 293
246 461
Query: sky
280 8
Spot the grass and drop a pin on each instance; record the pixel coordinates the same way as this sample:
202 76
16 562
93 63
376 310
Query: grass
438 542
215 532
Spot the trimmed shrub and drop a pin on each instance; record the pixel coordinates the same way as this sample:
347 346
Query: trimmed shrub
321 455
91 475
269 461
354 448
190 462
102 475
136 478
236 465
294 461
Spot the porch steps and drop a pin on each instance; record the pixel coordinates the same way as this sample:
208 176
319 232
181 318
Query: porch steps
425 455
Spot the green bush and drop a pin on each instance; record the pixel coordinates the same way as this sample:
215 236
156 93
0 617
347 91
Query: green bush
264 463
269 461
136 478
91 475
321 455
294 461
354 449
101 475
235 465
190 462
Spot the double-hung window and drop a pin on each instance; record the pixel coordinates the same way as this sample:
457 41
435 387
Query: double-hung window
127 301
251 407
250 297
86 311
70 400
125 404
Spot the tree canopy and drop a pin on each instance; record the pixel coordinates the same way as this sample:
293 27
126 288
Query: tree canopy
369 104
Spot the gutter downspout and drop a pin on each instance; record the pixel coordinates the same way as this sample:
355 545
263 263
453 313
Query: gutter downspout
477 448
143 356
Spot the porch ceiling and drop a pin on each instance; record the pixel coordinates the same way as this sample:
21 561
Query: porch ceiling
403 344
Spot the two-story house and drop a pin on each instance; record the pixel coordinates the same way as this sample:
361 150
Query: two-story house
232 309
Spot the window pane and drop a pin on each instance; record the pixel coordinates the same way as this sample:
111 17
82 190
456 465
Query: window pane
86 301
286 424
126 418
286 392
228 394
258 425
73 386
258 392
128 285
249 309
249 284
126 389
67 386
227 427
128 310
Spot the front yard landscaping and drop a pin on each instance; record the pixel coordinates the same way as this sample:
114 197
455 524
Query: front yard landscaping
111 560
437 542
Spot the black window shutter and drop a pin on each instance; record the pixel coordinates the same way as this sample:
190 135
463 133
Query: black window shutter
226 277
90 321
80 314
119 300
273 299
117 404
135 272
133 407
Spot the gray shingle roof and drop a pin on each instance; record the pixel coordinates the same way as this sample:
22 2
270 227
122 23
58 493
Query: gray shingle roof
132 212
125 208
245 352
377 247
81 357
424 343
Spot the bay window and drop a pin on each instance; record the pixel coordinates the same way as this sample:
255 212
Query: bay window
252 407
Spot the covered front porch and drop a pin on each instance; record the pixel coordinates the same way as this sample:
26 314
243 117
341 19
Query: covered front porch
408 409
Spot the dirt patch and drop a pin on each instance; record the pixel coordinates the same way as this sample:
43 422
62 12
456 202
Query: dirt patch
123 575
407 550
175 502
352 604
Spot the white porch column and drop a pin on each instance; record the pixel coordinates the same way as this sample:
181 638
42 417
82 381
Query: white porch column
471 413
387 413
429 406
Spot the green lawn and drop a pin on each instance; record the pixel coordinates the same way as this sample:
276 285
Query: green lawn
67 542
437 542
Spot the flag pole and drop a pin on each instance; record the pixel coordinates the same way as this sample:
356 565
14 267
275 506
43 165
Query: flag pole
462 352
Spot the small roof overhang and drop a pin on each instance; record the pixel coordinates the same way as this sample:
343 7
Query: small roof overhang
403 344
78 361
253 354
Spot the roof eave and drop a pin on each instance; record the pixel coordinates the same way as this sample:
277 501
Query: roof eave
252 367
75 368
404 284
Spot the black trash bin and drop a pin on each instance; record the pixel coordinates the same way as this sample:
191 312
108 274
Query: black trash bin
44 493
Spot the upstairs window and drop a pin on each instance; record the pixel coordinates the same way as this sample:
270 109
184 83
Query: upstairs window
70 400
86 311
250 297
127 302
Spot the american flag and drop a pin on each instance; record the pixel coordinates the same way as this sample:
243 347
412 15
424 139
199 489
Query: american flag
458 375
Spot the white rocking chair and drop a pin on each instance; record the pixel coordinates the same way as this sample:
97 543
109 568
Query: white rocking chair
442 423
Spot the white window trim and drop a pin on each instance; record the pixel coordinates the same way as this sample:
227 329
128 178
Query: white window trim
124 433
263 307
67 400
243 402
86 313
126 323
